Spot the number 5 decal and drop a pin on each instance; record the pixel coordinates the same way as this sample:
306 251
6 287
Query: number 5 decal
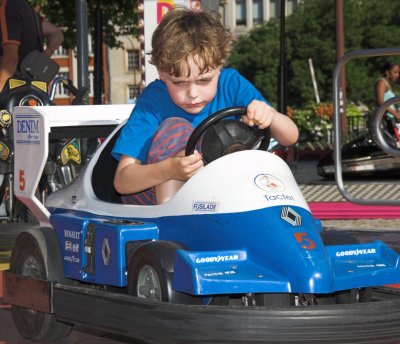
304 241
22 180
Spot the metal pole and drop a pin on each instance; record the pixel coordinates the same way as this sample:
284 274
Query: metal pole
282 76
82 42
339 54
98 55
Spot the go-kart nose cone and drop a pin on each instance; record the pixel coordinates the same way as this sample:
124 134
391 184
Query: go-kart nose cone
226 137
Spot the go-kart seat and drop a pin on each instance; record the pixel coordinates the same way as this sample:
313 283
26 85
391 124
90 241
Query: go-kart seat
103 174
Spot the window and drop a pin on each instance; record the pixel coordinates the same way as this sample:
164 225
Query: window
91 83
133 59
133 93
291 6
258 11
274 9
240 12
61 52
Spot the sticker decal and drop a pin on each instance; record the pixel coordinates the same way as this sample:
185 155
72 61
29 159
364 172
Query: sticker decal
205 206
356 252
4 151
304 241
290 216
71 151
219 273
218 259
28 129
269 183
106 252
5 118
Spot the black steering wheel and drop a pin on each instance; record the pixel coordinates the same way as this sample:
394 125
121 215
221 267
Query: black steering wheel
228 136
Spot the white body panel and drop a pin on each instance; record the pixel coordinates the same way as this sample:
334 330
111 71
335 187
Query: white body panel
32 126
264 180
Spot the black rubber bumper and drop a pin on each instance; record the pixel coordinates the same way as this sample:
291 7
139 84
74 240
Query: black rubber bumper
373 322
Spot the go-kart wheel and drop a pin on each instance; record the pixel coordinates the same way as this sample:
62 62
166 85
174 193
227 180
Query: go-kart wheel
29 258
228 136
150 274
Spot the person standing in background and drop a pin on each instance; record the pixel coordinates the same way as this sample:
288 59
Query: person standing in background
23 30
384 87
383 92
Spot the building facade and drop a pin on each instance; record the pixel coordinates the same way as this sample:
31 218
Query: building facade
122 69
242 15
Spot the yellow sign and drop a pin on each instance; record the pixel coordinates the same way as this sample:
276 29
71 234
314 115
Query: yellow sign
4 151
13 83
71 151
40 85
5 118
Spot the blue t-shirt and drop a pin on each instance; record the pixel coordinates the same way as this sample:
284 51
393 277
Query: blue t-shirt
155 105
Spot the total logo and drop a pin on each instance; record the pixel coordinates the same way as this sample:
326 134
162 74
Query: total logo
269 183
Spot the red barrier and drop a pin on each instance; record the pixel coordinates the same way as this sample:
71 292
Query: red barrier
346 210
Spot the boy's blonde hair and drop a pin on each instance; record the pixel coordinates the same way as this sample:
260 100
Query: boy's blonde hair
184 34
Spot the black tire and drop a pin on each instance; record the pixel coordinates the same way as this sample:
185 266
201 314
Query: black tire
150 274
31 257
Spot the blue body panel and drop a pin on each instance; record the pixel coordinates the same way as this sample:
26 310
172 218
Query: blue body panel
103 261
258 251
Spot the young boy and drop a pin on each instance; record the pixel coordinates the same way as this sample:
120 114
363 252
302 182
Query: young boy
189 50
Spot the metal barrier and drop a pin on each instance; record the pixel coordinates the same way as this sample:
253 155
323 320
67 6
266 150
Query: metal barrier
336 121
357 126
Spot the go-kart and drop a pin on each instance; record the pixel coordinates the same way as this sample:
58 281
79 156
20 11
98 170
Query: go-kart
361 157
234 257
364 155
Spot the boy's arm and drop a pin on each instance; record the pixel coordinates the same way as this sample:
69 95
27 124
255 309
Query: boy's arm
283 129
131 176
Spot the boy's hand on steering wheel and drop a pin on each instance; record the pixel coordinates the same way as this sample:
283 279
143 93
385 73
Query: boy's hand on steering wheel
260 114
183 167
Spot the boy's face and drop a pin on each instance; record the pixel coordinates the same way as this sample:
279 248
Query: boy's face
192 93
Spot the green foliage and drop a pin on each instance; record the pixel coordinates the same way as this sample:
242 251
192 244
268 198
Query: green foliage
311 33
119 17
313 121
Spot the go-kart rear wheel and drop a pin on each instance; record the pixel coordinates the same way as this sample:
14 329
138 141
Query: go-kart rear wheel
29 258
150 274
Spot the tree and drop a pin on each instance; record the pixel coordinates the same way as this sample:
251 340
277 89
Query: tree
119 17
310 33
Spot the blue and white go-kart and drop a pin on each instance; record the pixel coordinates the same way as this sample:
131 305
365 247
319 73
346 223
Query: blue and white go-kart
234 257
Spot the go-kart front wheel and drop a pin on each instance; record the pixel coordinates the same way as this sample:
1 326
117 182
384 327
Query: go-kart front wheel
29 258
150 274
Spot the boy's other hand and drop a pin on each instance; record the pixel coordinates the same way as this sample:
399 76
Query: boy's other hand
259 113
